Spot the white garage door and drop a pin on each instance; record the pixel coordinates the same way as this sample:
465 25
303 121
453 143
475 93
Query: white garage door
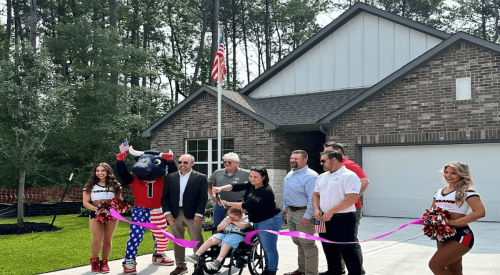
403 179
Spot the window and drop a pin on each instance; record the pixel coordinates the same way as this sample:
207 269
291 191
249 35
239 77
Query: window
463 87
205 153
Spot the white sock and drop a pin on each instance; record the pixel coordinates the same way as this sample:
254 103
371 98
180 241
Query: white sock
219 259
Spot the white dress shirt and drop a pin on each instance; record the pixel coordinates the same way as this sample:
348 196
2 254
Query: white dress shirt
183 180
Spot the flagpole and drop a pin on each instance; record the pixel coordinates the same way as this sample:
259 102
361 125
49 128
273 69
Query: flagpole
219 99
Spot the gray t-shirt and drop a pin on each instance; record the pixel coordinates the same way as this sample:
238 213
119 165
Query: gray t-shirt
220 178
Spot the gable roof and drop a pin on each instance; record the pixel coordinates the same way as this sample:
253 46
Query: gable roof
406 70
237 101
286 113
329 29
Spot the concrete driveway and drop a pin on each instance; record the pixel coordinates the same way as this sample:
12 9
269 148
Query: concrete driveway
406 252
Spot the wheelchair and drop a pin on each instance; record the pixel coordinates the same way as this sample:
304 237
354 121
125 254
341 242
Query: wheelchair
251 255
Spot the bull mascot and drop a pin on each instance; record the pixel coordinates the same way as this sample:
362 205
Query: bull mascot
147 180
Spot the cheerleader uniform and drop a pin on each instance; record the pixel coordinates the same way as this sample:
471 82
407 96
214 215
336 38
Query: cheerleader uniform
446 201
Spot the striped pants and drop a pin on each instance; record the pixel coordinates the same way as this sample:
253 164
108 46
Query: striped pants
154 216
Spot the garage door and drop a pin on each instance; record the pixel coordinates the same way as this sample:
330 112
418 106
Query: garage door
403 179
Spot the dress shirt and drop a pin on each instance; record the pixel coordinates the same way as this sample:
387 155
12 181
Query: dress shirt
334 187
299 188
183 180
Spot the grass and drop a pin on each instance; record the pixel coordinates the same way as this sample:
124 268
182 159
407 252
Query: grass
43 252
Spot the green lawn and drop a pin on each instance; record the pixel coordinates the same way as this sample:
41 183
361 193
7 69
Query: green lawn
70 247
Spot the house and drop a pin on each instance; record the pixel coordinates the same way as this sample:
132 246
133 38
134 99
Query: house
403 98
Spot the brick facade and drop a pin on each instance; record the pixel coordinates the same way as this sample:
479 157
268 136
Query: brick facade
422 107
254 145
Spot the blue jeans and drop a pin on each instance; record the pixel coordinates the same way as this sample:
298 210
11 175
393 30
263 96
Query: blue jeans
219 214
269 240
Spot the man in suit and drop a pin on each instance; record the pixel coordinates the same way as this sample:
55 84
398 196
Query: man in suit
183 202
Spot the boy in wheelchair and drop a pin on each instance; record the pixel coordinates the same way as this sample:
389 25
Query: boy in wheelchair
229 236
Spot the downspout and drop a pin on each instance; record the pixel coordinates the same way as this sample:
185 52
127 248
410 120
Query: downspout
323 130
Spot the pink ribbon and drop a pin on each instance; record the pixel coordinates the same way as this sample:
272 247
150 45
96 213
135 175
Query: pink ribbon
181 242
248 238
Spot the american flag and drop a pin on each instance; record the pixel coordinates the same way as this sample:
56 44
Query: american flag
124 146
219 57
319 226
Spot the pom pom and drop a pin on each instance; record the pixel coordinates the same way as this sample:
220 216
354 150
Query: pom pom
103 213
435 224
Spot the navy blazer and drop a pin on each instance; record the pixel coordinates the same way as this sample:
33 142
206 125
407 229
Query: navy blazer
195 195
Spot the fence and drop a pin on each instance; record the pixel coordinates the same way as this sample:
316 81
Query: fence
44 201
47 194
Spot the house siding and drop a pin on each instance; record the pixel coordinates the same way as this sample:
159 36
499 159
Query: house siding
422 107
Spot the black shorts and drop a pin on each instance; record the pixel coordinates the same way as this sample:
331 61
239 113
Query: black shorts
464 236
92 215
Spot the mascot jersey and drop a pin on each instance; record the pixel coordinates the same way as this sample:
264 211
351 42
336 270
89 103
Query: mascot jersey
148 194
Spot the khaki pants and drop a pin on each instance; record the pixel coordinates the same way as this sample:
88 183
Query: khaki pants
308 251
178 231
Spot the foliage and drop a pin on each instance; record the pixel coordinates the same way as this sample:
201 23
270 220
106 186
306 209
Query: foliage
27 254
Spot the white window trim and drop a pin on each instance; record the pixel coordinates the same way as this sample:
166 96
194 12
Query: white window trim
460 85
210 161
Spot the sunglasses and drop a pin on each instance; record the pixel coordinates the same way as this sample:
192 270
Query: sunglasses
228 162
323 161
257 168
181 162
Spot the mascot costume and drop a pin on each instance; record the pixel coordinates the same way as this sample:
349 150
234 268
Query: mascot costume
147 180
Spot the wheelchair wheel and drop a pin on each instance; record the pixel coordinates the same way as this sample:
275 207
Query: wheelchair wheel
210 257
256 263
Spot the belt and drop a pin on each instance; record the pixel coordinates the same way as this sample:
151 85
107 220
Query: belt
295 208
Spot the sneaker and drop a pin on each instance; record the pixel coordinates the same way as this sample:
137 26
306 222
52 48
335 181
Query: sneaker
215 265
193 258
104 266
129 266
162 259
94 265
179 270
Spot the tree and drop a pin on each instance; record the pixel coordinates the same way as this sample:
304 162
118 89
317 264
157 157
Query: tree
34 104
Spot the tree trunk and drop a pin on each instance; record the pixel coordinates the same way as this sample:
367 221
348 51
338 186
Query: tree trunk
200 48
112 13
215 36
234 47
9 26
17 23
20 200
33 21
267 37
245 42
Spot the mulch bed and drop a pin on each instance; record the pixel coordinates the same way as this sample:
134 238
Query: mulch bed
29 227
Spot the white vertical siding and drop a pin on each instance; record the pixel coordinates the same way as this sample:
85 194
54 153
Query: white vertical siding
314 71
360 53
327 61
288 79
386 48
355 44
370 50
301 68
341 58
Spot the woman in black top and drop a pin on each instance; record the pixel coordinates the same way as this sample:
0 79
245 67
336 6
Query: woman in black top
261 207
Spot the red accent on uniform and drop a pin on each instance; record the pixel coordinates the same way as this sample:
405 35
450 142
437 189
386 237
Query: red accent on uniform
351 165
466 239
141 189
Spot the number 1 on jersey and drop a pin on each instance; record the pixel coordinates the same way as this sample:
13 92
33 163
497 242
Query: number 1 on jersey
150 189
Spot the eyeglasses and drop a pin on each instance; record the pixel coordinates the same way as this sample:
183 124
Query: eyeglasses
181 162
228 162
257 168
323 161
